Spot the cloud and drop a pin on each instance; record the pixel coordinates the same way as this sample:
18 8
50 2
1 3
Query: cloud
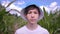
5 3
46 8
52 7
53 4
12 6
20 3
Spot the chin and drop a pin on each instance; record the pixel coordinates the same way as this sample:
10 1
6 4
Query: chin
32 22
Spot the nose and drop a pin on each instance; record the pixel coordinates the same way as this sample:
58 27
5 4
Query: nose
32 15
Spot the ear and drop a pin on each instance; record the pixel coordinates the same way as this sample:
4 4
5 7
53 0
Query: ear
25 16
38 16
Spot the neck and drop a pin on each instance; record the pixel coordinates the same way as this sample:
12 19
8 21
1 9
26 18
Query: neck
32 26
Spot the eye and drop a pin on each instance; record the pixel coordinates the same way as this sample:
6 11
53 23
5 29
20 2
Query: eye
35 13
29 12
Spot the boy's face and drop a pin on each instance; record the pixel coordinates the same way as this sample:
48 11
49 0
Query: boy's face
32 16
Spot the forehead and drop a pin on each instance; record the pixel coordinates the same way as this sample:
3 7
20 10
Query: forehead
33 10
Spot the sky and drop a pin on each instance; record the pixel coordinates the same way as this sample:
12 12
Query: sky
20 4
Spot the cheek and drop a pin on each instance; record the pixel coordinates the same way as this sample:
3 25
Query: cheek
28 16
37 16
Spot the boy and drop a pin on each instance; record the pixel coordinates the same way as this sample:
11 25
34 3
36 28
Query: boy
32 14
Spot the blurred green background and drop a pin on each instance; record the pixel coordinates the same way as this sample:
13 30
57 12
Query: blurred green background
9 23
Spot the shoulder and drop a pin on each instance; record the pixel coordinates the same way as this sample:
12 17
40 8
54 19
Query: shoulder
44 30
20 30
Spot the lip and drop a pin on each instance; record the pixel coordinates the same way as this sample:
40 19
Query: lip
33 19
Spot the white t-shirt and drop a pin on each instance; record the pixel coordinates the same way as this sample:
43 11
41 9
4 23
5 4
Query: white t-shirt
38 30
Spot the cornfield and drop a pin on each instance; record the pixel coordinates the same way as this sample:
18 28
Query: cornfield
9 23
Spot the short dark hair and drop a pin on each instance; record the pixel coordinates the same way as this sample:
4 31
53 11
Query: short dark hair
31 7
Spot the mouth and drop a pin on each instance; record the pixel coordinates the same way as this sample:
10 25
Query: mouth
33 19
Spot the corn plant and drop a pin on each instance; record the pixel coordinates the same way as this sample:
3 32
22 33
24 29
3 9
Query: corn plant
51 22
8 22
